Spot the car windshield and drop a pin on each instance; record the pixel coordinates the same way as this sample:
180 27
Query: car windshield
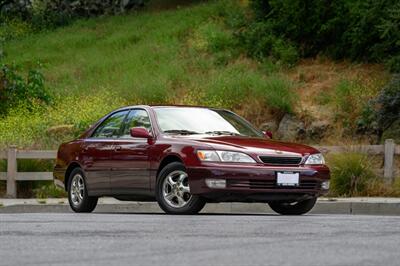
192 120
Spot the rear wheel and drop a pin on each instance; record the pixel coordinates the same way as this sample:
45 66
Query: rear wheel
294 208
78 197
173 192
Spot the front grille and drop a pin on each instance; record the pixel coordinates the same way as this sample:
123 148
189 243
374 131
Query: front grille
281 160
269 184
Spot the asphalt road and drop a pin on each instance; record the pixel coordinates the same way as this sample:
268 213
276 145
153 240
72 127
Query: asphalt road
206 239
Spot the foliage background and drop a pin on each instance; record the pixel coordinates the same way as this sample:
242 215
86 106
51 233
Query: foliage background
366 30
324 61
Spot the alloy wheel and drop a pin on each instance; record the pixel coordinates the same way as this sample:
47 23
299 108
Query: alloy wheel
176 190
77 189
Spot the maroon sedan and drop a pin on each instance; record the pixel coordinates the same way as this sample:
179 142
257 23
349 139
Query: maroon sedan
184 157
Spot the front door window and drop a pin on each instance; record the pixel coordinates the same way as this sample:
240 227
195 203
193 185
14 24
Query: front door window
136 118
111 127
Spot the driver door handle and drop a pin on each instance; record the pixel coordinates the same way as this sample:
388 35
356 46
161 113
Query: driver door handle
117 148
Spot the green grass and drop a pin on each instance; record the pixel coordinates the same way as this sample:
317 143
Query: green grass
127 54
49 191
184 56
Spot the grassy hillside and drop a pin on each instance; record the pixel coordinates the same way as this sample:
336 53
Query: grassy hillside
187 55
181 56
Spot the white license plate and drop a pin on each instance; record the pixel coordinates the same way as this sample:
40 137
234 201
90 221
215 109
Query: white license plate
287 179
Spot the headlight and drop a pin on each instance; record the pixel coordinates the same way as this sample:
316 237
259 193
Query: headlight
208 156
228 156
224 156
315 159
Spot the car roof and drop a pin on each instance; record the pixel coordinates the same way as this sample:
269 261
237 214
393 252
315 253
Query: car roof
169 106
183 106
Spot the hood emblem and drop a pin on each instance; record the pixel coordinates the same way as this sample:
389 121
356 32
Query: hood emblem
278 152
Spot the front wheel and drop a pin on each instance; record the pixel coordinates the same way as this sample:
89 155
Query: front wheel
294 208
173 192
78 197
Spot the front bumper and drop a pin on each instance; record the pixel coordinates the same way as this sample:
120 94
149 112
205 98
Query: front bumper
256 183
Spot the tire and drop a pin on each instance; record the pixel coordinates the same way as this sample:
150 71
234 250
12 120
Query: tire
297 208
78 197
173 193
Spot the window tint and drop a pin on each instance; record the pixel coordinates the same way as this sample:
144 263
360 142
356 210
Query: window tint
136 118
110 128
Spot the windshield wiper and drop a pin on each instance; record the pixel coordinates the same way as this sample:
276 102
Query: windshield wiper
221 132
181 132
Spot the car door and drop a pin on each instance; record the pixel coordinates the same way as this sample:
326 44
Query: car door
130 172
97 153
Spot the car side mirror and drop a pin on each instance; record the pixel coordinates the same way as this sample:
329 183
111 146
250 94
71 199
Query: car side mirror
267 134
140 132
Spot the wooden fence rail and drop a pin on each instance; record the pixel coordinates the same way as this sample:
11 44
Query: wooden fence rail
389 150
12 175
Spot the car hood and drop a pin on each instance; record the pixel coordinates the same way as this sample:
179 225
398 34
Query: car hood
253 145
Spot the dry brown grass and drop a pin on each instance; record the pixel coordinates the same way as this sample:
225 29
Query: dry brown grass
317 81
379 188
322 75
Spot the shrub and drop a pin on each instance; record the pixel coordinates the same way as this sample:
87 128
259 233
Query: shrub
47 14
15 90
394 64
389 29
48 190
255 38
51 13
13 28
360 30
232 12
260 42
348 99
350 174
384 111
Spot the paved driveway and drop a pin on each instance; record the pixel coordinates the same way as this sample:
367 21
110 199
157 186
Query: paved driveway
206 239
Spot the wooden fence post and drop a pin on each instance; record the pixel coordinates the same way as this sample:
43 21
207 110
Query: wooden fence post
12 172
388 161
